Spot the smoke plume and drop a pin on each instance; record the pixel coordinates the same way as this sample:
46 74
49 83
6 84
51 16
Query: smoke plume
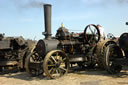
28 3
105 2
122 1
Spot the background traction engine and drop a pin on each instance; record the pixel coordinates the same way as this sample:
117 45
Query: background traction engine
13 52
52 55
116 55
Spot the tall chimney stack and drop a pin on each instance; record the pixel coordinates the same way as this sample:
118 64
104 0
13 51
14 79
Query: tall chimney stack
47 21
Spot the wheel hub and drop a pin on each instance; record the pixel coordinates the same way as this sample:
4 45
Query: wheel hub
57 65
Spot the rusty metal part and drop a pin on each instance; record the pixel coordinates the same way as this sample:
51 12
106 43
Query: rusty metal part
34 64
56 64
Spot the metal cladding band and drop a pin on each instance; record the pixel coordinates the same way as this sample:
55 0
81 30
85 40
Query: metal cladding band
47 18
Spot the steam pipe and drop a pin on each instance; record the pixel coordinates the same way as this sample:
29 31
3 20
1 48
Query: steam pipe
47 21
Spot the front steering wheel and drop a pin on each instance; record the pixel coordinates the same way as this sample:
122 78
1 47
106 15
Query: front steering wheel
91 34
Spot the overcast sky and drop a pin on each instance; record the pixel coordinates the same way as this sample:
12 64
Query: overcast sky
25 17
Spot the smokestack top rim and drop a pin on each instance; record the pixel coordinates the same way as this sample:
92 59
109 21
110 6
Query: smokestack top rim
47 5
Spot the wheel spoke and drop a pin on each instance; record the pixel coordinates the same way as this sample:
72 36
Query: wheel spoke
59 70
54 59
37 57
51 65
94 31
63 68
32 56
56 53
51 70
64 59
91 29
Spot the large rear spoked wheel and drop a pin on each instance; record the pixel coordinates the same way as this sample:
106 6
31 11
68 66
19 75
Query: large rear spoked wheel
56 64
34 64
111 53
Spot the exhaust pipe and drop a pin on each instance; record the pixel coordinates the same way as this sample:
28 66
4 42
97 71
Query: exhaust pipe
47 21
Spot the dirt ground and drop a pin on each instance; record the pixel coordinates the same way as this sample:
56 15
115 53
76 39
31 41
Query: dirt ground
76 76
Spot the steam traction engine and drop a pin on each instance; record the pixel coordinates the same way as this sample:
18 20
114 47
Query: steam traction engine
116 55
13 52
52 55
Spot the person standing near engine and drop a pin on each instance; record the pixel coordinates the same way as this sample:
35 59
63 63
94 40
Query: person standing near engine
102 34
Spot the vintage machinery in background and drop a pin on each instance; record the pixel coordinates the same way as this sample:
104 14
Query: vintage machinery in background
116 55
13 52
52 55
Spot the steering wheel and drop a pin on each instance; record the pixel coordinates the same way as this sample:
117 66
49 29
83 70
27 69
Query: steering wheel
91 34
